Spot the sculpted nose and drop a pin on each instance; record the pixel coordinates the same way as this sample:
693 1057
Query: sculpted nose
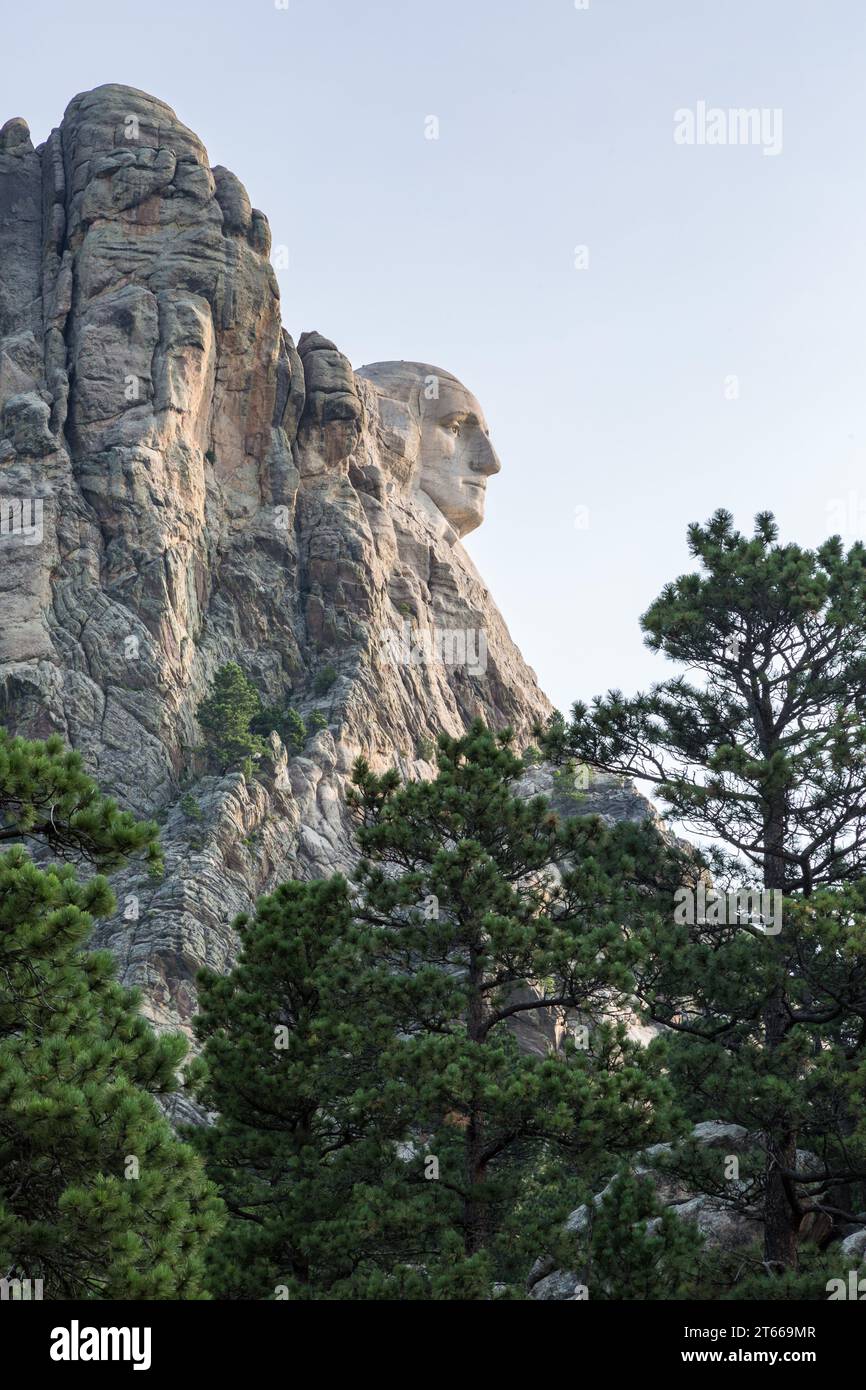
484 458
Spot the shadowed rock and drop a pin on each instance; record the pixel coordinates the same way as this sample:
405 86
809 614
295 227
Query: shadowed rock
213 494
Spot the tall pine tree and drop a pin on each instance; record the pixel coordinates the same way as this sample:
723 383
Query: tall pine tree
762 751
97 1197
304 1144
382 1131
225 716
491 914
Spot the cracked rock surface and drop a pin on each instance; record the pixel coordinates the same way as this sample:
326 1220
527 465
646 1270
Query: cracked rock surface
184 486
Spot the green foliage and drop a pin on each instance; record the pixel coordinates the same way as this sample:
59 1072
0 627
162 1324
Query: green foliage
744 1277
400 1143
762 751
324 680
294 731
269 719
47 798
302 1146
288 723
425 749
767 755
97 1197
456 979
567 783
225 718
715 985
190 807
237 725
636 1250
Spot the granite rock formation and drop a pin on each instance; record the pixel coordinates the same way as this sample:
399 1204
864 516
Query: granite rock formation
183 486
719 1222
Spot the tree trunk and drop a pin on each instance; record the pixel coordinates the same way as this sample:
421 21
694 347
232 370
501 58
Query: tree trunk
475 1213
780 1219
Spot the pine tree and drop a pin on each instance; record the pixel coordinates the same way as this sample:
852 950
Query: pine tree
478 925
288 723
47 799
304 1145
633 1250
97 1198
225 716
380 1131
711 983
764 755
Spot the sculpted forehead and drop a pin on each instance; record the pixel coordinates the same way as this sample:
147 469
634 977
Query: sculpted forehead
432 394
453 400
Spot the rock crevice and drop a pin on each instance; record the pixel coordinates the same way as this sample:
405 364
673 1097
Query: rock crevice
209 492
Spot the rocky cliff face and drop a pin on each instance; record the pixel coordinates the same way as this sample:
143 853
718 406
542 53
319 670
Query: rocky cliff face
182 486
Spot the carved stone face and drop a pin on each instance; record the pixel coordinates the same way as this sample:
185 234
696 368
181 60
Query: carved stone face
456 457
449 446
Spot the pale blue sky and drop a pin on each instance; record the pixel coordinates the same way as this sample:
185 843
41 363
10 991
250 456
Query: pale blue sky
605 388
